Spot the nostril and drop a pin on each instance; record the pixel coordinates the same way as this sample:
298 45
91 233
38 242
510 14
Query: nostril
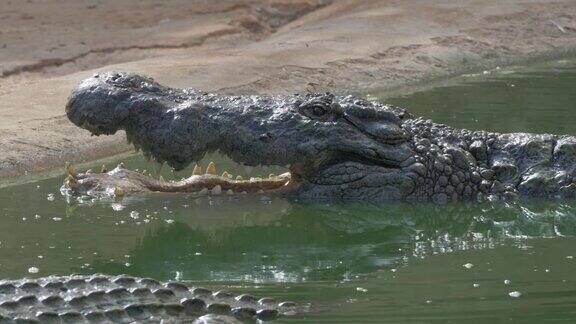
266 137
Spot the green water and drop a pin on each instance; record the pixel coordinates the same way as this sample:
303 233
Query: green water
352 263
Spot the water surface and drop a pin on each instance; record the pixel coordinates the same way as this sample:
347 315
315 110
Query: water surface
394 263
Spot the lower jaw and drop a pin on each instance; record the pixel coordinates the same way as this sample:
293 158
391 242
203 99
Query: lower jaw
218 185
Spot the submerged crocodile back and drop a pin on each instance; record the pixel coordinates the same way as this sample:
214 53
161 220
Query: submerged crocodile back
123 299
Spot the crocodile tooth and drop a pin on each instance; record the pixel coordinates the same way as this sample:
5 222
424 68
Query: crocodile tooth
271 175
197 170
121 165
161 179
70 170
225 174
203 192
118 192
230 192
88 171
211 168
239 177
158 168
104 169
216 190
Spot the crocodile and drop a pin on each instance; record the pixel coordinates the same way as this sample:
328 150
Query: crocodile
335 147
102 298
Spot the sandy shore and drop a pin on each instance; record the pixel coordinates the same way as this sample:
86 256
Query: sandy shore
278 46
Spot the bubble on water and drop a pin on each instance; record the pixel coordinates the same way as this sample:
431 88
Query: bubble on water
128 264
476 285
468 265
37 216
117 207
56 219
569 257
428 301
50 197
134 214
507 282
33 270
169 221
546 270
24 218
514 294
40 257
197 253
393 270
360 289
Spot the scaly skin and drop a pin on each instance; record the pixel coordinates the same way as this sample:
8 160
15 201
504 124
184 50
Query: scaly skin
336 147
124 299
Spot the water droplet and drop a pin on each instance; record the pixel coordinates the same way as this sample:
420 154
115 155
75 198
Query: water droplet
56 219
33 270
476 285
50 197
361 289
134 214
117 207
515 294
169 221
507 282
468 265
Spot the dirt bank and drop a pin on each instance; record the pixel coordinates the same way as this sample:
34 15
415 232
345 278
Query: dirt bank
46 47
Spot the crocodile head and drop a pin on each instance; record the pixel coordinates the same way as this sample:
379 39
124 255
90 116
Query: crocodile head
333 146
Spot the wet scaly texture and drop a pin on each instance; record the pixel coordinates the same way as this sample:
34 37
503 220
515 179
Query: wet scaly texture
124 299
336 147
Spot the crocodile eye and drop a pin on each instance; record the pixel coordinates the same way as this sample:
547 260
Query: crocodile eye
315 110
318 111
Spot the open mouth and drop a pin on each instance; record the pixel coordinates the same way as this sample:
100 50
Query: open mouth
209 181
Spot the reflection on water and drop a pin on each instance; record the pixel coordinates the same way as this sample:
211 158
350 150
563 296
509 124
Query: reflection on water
353 262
